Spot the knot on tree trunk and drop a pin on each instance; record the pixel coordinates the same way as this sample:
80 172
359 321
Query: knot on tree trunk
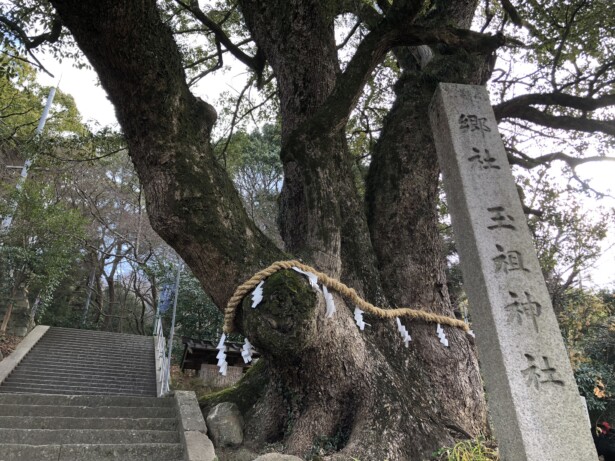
284 323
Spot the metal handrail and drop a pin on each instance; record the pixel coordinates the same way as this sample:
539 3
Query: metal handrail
162 359
163 354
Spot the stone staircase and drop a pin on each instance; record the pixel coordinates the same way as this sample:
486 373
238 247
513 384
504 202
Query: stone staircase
81 395
75 362
45 427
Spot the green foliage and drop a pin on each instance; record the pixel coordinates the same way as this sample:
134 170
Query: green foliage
34 17
588 329
479 449
590 378
253 162
567 236
197 315
22 101
43 243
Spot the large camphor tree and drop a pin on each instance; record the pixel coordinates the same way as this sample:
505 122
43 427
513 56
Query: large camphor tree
323 379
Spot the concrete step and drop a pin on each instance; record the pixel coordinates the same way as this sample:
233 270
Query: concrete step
73 365
64 375
73 344
83 379
90 336
75 411
119 356
61 331
85 401
96 349
49 350
85 392
87 342
69 386
59 350
87 364
91 436
95 346
52 422
67 389
35 364
76 452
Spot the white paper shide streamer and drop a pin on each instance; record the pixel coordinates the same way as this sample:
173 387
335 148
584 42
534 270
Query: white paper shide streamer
246 351
471 333
328 302
313 278
222 363
403 331
442 335
257 294
358 317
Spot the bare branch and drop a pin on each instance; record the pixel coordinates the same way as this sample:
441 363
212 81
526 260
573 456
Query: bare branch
349 36
256 63
562 122
516 157
89 159
218 65
509 108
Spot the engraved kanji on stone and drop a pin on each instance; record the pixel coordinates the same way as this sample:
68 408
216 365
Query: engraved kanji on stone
473 123
501 219
519 309
536 376
483 159
508 261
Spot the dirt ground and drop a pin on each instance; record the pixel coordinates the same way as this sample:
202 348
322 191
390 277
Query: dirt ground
8 344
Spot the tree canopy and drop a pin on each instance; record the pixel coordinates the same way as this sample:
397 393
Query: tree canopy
348 83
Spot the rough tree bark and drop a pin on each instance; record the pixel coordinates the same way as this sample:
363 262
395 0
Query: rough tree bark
321 380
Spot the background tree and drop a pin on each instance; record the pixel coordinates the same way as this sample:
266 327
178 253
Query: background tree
587 325
323 378
41 244
253 162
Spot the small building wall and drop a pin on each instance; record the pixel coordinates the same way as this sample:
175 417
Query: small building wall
211 376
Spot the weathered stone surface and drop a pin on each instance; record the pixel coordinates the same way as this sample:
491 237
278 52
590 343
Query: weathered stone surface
225 425
236 454
191 417
533 398
277 457
193 429
198 447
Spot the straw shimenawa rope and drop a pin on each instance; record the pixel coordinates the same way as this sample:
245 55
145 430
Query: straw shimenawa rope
347 292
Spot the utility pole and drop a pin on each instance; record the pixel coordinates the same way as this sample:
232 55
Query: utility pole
8 220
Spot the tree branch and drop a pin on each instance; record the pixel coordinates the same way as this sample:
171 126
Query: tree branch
517 157
349 36
256 63
509 108
374 47
562 122
32 42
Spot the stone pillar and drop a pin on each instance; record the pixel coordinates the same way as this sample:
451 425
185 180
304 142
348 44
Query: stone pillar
533 399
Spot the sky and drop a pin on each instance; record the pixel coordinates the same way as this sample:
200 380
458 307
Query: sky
96 108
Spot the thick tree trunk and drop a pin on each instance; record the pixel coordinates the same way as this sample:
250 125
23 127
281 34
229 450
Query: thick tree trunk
191 201
402 197
323 384
402 202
